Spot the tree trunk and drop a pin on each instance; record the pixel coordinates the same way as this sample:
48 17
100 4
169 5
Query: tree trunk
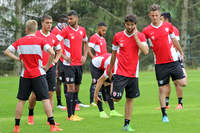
18 30
129 7
68 5
184 25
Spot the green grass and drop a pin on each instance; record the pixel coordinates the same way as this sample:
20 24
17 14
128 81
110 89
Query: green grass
145 118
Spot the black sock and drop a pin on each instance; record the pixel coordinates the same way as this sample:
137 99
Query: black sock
163 109
111 103
92 89
59 100
69 101
17 122
30 113
167 101
126 122
75 100
51 120
180 101
99 105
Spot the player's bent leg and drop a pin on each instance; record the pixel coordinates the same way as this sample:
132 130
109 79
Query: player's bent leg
182 82
51 99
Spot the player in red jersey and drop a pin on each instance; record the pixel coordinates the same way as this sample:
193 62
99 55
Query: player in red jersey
29 49
163 43
166 17
62 23
73 36
51 73
98 68
126 47
97 42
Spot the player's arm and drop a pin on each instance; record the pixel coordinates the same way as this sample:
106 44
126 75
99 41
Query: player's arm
86 49
51 57
178 46
11 55
112 62
90 52
100 82
142 45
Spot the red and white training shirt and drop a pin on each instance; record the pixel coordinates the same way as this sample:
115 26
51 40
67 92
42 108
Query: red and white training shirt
29 49
57 30
127 61
102 62
159 38
52 41
73 39
98 43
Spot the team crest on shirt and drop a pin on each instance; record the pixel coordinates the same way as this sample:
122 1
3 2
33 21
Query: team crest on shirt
152 37
72 37
81 33
53 41
167 29
101 43
67 79
121 45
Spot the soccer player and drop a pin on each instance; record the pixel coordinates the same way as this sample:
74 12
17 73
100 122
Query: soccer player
97 42
163 43
166 17
73 35
29 49
51 39
98 68
62 23
125 56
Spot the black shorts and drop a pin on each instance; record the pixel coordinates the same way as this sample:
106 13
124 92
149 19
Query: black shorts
61 73
95 73
73 74
181 63
167 70
51 78
38 85
130 85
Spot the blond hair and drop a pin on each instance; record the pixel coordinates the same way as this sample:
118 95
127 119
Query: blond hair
31 26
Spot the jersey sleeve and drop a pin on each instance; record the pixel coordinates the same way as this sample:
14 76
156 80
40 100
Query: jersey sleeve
115 45
171 31
57 44
14 46
142 39
63 34
44 45
92 42
85 38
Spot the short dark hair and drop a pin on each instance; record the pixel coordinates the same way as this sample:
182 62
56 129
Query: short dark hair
62 18
155 7
45 17
131 18
166 15
102 24
72 12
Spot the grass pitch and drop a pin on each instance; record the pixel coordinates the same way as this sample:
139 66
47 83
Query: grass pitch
145 118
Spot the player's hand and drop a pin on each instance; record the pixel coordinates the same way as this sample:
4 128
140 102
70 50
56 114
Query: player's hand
182 58
45 68
55 61
96 98
136 34
22 63
68 59
83 59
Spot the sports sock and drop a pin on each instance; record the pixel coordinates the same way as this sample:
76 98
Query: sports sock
17 122
163 109
59 100
99 105
51 120
167 101
180 101
30 113
126 122
74 102
92 89
111 103
69 101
